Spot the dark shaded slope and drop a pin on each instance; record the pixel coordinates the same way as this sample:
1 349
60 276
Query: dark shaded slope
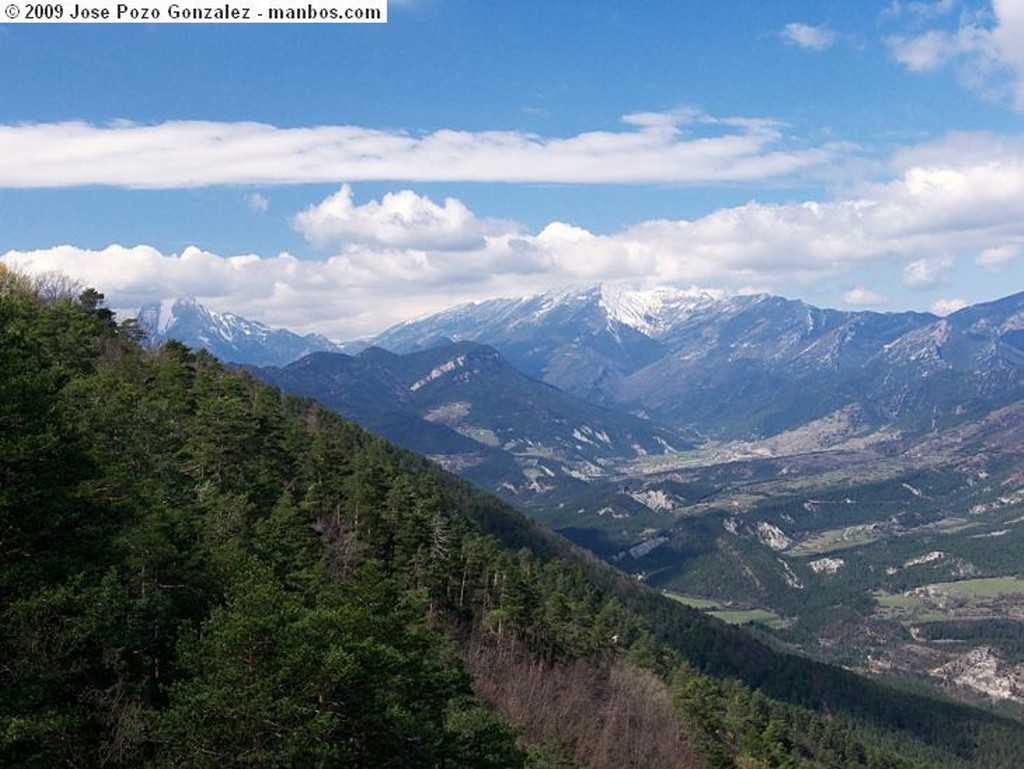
466 406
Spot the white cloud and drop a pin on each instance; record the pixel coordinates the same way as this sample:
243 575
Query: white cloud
680 146
809 37
257 202
927 274
921 9
948 306
925 52
863 297
998 258
350 294
986 50
400 220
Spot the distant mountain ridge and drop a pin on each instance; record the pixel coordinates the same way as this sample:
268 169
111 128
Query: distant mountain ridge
743 366
226 336
580 340
735 367
465 406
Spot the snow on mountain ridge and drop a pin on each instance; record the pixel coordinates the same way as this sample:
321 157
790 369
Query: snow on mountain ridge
226 335
652 312
165 315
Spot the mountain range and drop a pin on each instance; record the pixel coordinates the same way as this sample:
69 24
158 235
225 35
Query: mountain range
546 396
745 366
465 406
737 367
826 474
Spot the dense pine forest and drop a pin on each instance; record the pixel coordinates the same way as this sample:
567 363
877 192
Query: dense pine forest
196 570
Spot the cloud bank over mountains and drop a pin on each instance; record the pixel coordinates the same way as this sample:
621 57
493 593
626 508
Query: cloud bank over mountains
947 203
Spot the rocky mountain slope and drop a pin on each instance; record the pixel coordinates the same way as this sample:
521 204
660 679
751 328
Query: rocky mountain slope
465 406
226 336
748 366
744 367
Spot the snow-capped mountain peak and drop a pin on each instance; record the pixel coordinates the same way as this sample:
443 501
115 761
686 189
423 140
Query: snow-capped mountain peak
227 336
652 312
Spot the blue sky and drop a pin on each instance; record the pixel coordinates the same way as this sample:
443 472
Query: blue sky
341 178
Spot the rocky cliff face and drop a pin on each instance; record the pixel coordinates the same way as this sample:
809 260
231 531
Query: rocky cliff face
229 337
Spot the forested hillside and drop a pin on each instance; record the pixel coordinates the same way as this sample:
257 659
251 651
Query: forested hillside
196 570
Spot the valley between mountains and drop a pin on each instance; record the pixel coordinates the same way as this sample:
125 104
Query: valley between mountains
850 483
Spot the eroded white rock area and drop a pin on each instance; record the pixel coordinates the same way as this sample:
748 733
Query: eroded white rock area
826 565
773 536
984 670
654 499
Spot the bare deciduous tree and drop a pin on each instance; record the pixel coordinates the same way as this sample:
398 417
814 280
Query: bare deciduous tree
53 287
608 715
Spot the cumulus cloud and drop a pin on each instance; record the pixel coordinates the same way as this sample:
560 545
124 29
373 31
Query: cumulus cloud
925 52
140 274
860 296
948 306
809 37
998 258
257 202
986 50
680 146
400 220
926 274
348 295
